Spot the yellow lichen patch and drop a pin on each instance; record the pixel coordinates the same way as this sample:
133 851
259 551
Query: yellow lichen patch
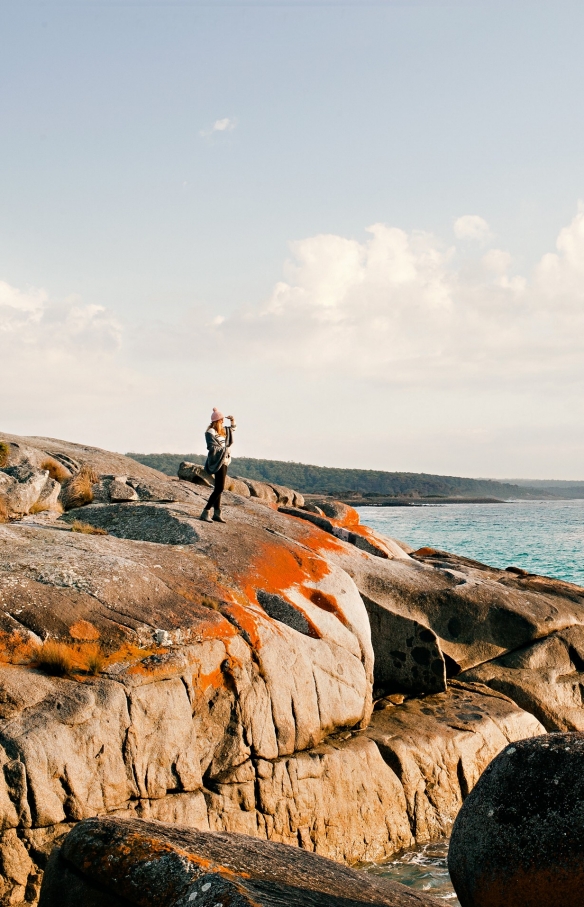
83 630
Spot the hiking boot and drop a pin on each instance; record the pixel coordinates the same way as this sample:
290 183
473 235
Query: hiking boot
217 516
206 516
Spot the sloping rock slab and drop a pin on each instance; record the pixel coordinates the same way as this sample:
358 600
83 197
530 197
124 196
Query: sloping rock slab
546 679
477 612
141 522
109 862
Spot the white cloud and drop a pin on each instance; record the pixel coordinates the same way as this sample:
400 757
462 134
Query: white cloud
497 260
448 344
401 309
226 124
472 227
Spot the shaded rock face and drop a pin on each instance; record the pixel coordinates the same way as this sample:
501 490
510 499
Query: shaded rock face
103 862
477 613
223 675
519 838
546 678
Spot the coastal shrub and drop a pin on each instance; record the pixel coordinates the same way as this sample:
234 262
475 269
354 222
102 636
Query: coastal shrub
78 491
3 509
56 470
4 453
87 528
54 658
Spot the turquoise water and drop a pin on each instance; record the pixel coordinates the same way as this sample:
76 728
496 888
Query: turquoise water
545 537
422 868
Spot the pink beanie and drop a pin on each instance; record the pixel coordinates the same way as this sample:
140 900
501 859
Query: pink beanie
216 415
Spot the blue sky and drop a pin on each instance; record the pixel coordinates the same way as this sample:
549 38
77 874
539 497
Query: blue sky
186 191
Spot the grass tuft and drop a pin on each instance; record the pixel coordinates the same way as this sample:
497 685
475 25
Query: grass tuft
78 491
54 658
95 661
56 470
210 603
87 528
4 453
3 509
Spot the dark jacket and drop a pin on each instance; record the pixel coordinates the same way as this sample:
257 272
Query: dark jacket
217 452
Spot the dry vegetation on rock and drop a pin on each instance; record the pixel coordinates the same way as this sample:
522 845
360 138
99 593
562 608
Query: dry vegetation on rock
56 470
79 490
95 661
3 510
55 658
4 453
87 528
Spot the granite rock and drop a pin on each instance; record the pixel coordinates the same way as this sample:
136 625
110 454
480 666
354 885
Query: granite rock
519 838
105 862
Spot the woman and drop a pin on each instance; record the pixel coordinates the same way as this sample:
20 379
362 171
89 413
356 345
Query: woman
219 439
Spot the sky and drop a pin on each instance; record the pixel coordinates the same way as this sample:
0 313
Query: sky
356 226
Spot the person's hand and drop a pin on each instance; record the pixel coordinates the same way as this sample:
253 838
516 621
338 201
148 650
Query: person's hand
231 419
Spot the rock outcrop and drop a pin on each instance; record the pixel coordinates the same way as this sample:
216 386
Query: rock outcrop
224 676
110 862
519 838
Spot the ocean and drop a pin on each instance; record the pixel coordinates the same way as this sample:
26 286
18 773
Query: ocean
545 537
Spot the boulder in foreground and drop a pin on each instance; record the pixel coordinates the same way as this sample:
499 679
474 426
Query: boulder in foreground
110 862
519 837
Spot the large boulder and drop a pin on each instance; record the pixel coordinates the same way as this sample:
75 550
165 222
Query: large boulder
111 862
519 838
22 486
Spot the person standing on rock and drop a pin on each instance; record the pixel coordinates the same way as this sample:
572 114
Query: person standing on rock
219 439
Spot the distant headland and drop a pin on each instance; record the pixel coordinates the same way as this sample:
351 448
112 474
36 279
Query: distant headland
375 486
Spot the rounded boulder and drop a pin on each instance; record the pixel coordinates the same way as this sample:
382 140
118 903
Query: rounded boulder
519 837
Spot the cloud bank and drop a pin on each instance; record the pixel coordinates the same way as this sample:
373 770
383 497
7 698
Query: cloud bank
442 342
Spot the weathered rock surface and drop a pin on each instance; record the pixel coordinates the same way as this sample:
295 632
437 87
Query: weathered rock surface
477 613
546 678
519 838
438 747
106 862
223 675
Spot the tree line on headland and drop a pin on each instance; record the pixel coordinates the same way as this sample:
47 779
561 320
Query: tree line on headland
372 483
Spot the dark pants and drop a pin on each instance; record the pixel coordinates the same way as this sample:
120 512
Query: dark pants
215 499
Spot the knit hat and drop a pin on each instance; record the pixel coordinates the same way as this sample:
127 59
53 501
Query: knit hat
216 415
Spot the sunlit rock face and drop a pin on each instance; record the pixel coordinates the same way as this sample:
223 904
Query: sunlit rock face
224 676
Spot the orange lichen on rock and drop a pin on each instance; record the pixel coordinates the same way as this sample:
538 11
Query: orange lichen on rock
83 630
16 648
277 567
424 552
214 679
